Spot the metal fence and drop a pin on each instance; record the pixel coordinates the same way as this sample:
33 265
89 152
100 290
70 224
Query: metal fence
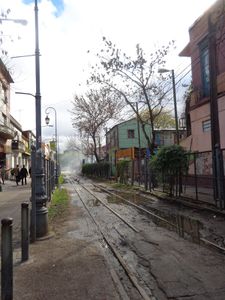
197 183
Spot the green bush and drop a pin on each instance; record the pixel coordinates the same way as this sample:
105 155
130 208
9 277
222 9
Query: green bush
61 179
170 162
96 169
122 171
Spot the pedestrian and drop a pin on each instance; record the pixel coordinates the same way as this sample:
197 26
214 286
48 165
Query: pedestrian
2 174
17 174
23 174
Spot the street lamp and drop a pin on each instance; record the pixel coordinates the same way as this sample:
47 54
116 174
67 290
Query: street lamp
20 21
47 120
40 193
174 99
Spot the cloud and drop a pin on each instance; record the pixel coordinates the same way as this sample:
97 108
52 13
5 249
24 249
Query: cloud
67 29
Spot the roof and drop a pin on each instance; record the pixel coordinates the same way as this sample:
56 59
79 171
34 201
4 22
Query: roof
213 8
120 124
186 51
5 72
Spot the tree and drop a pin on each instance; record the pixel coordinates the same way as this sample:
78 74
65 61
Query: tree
170 162
4 15
92 111
72 144
135 80
163 120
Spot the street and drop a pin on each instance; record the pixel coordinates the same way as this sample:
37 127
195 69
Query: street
93 247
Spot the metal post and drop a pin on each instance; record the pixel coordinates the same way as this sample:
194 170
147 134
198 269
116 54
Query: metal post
25 231
196 178
41 209
7 260
132 172
56 142
146 174
139 147
175 107
33 194
218 168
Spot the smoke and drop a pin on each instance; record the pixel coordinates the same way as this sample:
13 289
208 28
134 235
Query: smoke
71 162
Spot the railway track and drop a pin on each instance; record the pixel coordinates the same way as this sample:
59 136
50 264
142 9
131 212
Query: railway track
154 215
134 279
136 226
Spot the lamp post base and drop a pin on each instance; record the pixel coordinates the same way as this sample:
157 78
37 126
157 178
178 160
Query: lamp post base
41 221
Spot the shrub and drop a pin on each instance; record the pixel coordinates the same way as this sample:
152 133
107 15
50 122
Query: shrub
170 162
61 179
122 171
96 169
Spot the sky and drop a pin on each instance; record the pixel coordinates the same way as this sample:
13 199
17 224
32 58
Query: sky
67 30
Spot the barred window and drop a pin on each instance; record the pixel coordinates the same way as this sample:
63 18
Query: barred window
130 133
206 125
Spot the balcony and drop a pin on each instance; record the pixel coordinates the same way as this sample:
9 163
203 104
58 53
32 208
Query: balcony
6 132
18 146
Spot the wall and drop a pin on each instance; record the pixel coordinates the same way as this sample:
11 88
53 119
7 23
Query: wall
125 142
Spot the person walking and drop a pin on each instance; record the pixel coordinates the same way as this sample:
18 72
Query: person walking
2 173
17 174
23 174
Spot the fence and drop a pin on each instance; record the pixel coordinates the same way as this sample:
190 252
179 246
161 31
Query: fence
28 233
197 183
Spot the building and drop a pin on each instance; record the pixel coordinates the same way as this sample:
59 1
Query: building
167 136
6 129
198 104
205 104
15 144
124 136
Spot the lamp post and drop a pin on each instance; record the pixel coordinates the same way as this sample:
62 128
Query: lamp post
174 99
40 194
47 120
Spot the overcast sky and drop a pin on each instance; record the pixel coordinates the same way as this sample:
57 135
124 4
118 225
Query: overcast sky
68 28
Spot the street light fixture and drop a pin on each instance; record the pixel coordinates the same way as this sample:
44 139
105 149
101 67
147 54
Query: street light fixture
20 21
47 120
174 99
40 193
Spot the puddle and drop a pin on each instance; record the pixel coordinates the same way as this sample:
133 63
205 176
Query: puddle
93 202
173 221
114 199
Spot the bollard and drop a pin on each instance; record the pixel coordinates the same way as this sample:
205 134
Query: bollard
25 231
7 260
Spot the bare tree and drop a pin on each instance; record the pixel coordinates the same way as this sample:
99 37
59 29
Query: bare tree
72 144
92 111
3 37
136 80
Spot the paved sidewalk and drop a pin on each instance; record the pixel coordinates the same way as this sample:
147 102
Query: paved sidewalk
70 264
10 186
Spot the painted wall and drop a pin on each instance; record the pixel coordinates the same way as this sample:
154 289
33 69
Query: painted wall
125 142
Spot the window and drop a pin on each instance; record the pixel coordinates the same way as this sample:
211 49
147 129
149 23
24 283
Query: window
130 133
206 125
204 61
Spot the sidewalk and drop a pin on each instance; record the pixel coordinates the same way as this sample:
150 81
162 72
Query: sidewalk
10 185
70 264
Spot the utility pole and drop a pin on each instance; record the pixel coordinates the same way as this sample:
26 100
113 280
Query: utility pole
217 158
139 146
175 107
41 197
